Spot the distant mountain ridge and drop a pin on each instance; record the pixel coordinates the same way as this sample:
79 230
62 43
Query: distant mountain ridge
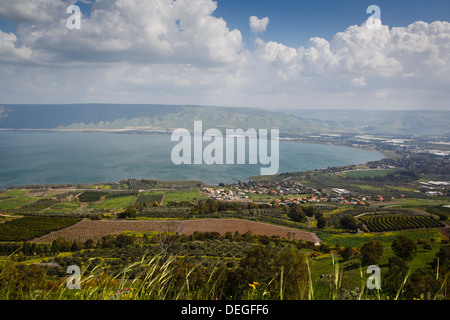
407 122
165 117
116 116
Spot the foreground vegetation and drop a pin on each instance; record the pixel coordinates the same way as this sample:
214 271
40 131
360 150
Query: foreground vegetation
210 266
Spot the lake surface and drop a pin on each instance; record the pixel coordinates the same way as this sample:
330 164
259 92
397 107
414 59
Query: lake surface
79 157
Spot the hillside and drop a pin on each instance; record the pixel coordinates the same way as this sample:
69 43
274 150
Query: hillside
143 117
113 116
408 122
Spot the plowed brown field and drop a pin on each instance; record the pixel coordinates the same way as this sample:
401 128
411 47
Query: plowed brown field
96 229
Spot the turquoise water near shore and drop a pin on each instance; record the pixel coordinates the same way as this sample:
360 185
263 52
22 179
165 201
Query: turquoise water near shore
83 157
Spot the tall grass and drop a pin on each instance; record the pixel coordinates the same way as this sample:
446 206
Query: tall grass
154 278
161 277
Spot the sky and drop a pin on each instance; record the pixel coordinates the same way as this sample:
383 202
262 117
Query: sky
283 54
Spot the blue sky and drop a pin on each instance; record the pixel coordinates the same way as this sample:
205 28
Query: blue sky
311 54
294 22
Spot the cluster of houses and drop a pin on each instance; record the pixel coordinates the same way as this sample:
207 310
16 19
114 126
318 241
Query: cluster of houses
316 199
225 195
285 195
435 188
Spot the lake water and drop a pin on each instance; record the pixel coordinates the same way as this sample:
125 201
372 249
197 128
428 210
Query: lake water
79 157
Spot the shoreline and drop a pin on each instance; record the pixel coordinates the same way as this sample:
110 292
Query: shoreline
167 132
136 131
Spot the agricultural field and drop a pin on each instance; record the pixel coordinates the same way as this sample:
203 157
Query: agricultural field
399 222
386 238
117 203
181 196
64 206
39 205
148 198
27 228
368 173
13 193
91 196
96 229
16 202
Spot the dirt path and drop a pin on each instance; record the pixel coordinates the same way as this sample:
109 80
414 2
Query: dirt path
445 231
162 199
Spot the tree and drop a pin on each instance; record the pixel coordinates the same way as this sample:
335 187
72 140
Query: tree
443 256
75 246
310 211
395 276
61 245
123 240
295 274
371 252
256 266
89 244
349 222
404 247
347 253
130 212
421 283
322 220
296 213
107 241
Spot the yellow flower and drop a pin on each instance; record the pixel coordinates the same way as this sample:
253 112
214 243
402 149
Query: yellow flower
252 285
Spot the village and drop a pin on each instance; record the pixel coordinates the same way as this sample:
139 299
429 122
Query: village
275 194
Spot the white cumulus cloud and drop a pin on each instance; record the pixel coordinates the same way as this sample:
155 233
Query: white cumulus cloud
258 25
31 11
167 51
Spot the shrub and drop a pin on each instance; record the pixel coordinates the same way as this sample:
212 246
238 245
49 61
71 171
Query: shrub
404 247
371 252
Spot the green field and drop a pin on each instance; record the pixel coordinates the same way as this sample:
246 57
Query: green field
117 202
365 187
357 240
188 196
66 206
91 196
416 202
368 173
399 222
148 198
16 202
14 193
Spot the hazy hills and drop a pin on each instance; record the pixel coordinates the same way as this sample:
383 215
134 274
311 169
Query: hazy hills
408 122
140 117
111 117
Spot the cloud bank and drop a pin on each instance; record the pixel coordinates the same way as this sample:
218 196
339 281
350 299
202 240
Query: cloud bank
166 51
